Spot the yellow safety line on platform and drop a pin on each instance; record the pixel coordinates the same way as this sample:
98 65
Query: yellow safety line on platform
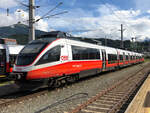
6 83
2 76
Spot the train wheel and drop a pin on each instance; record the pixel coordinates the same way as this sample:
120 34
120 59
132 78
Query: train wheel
57 83
50 83
71 79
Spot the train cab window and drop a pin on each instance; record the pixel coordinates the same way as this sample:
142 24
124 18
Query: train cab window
51 56
29 53
12 59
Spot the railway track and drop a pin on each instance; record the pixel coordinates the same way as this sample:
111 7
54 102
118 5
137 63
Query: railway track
112 99
108 100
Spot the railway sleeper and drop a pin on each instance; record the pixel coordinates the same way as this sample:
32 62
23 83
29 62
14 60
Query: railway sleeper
110 98
89 111
106 102
96 109
120 92
102 105
113 96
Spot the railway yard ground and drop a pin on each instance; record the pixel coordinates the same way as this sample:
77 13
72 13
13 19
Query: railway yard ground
67 98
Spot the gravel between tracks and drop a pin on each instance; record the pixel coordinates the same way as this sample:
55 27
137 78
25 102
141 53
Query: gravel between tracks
89 85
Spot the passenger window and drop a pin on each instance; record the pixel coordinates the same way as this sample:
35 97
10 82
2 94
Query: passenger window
51 56
83 53
112 58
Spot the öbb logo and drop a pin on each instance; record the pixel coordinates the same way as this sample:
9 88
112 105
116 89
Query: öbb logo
64 58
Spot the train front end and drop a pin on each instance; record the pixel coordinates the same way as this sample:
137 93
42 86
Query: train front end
25 63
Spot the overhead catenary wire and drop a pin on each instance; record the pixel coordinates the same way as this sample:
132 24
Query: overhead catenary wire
52 15
112 10
52 9
46 15
21 3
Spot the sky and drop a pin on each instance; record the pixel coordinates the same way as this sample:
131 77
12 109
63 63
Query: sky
86 18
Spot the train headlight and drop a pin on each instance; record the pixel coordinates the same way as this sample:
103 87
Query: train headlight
19 76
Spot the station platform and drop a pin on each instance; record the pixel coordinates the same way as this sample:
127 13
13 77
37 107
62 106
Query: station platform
141 102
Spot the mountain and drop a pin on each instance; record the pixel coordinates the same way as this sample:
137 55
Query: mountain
18 32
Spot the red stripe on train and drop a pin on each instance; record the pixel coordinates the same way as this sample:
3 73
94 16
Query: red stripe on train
65 68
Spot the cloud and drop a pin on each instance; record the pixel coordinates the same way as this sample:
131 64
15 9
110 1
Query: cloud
7 3
148 11
41 24
106 24
106 9
6 20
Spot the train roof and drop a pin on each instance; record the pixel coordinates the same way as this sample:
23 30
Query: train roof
1 46
51 36
58 34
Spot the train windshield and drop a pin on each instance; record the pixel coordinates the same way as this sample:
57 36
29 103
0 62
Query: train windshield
30 52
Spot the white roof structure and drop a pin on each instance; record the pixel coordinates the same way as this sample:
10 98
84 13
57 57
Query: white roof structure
1 46
15 49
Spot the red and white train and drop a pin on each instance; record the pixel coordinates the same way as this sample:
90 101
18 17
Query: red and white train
54 58
8 53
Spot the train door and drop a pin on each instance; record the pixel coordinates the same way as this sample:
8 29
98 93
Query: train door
103 59
124 57
2 61
118 53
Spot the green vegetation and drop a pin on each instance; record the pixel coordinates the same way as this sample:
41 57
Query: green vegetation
21 39
147 60
18 32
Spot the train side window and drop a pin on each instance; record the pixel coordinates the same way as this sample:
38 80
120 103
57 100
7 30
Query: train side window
112 58
51 56
127 57
76 53
121 57
83 53
93 54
